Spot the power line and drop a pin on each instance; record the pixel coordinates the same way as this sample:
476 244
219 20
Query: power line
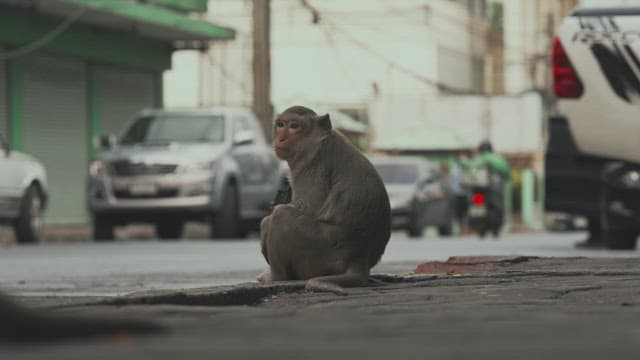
392 63
45 39
227 75
333 46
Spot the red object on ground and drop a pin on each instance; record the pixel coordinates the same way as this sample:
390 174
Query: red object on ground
467 264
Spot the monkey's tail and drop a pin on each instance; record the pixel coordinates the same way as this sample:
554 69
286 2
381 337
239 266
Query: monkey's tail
321 286
336 283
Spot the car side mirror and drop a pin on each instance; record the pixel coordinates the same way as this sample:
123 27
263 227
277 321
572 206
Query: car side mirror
5 146
243 137
107 141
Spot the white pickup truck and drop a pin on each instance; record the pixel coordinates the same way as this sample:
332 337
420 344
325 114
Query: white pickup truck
593 153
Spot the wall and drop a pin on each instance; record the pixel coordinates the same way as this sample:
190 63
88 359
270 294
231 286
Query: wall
512 123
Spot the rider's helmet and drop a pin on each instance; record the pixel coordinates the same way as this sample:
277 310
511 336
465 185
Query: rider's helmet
485 145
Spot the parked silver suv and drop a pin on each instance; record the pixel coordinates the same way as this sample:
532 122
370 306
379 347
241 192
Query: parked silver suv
23 193
169 167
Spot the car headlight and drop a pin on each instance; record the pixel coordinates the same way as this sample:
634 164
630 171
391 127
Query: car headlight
631 179
97 168
201 166
400 201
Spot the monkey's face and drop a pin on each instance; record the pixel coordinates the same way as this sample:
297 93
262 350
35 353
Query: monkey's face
289 130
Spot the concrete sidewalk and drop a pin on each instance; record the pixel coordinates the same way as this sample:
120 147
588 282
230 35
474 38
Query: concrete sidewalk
466 308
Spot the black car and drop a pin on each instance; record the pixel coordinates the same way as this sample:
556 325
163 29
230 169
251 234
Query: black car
419 195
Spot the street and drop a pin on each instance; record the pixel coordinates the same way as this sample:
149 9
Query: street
528 308
125 266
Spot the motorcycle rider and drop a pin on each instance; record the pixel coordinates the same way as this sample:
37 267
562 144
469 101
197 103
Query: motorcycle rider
498 174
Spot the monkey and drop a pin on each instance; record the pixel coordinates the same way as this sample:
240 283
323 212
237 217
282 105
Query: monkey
337 223
22 324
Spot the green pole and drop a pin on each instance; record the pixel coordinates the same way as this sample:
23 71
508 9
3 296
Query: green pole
159 91
508 194
15 104
528 201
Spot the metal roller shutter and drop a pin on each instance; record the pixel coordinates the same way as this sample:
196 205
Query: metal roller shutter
122 93
4 109
55 131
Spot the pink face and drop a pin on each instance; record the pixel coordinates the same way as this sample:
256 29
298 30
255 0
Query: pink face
288 129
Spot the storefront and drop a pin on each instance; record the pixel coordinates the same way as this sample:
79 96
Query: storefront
73 70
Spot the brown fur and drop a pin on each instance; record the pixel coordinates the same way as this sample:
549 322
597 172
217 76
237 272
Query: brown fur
337 225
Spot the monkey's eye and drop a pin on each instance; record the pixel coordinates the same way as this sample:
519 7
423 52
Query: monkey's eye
294 125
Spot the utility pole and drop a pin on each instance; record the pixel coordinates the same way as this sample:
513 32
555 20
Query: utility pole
262 63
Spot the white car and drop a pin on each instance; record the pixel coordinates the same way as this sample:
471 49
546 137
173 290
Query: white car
23 193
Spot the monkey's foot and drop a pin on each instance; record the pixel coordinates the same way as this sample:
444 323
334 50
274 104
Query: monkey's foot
265 277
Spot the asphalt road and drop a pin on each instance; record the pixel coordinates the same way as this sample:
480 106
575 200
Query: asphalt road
534 308
125 266
560 306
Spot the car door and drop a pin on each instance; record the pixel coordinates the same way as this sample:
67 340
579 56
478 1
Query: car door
12 174
435 196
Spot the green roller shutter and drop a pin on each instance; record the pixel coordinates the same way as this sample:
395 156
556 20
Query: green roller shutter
55 130
121 94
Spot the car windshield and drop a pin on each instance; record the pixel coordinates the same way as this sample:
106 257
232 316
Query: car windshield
165 129
398 173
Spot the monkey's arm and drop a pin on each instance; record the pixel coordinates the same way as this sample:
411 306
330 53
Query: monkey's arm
334 207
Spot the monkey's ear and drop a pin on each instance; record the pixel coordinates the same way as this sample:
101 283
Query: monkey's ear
324 122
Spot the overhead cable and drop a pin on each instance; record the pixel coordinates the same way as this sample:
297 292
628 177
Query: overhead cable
44 39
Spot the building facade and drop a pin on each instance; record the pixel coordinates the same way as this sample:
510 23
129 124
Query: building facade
529 28
340 53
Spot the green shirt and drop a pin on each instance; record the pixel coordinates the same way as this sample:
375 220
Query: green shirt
497 162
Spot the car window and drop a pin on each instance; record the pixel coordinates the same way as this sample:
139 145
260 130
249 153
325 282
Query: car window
398 173
175 128
431 173
241 123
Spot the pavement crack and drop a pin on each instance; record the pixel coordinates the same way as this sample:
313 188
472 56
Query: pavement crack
227 296
561 293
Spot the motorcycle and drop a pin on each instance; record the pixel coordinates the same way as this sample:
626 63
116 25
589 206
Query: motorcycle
485 211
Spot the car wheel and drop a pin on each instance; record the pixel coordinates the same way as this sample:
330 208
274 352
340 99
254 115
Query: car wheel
495 232
623 239
102 228
445 230
170 229
416 228
226 223
481 230
619 232
29 224
620 235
